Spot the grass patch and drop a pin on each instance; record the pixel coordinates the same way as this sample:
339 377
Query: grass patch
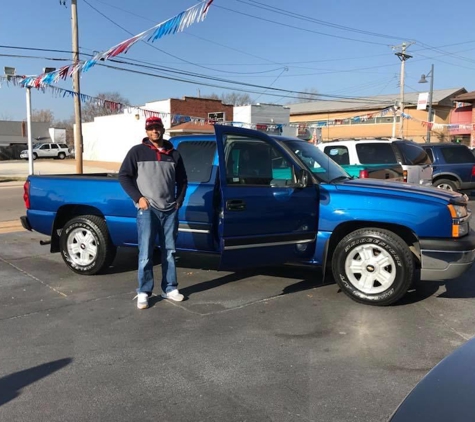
12 179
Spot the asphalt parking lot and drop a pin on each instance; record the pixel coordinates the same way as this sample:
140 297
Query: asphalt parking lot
275 344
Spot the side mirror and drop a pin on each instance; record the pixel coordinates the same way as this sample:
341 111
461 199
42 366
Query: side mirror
303 178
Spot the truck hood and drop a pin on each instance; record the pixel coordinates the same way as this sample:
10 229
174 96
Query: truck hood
405 189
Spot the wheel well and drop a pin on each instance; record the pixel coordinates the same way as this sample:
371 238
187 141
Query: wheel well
66 213
447 177
406 234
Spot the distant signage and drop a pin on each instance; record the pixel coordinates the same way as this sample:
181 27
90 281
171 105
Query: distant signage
422 100
218 116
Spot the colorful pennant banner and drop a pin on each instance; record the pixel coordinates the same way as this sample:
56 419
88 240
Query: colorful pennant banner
178 23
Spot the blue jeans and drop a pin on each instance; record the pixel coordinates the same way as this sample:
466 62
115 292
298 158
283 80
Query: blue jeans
151 222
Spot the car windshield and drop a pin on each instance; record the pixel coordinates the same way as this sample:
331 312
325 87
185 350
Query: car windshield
322 166
36 146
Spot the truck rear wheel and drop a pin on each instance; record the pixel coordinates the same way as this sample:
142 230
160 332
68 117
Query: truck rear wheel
86 246
373 266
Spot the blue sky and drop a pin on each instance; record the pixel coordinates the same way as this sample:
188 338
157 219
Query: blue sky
336 48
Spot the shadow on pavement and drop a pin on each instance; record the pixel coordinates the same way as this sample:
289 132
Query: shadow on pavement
11 385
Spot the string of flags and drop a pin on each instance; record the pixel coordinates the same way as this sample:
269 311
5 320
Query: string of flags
176 119
178 23
356 119
439 126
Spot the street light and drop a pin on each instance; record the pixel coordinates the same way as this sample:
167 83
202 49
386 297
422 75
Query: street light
431 91
10 72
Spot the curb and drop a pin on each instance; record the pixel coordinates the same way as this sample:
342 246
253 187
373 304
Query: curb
17 183
11 226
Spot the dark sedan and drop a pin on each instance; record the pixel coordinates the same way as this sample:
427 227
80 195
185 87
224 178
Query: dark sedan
446 393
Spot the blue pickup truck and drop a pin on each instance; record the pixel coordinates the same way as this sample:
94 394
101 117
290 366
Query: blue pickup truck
256 200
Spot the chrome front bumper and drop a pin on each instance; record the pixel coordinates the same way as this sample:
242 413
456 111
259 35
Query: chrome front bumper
446 259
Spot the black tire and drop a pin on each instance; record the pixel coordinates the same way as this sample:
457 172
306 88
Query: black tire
446 184
80 234
386 284
35 156
61 155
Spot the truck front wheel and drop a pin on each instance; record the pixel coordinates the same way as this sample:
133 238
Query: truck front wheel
86 246
373 266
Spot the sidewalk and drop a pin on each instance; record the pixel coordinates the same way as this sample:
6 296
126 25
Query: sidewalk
19 169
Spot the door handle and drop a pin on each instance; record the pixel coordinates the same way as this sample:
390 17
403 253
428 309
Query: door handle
235 205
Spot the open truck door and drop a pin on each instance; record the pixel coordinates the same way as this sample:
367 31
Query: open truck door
269 202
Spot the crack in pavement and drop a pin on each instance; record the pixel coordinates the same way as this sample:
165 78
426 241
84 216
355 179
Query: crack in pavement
33 277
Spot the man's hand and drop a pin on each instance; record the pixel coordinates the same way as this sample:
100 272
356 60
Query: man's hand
143 203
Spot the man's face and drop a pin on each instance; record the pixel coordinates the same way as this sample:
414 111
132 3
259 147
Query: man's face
155 132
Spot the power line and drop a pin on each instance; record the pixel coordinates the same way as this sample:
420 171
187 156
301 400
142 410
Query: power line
280 11
299 28
327 97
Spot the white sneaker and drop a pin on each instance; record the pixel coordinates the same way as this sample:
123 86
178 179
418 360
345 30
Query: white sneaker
142 300
173 295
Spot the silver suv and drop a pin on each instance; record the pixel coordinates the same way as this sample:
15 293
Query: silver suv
416 164
47 150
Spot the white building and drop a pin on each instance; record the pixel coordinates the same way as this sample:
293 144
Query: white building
109 138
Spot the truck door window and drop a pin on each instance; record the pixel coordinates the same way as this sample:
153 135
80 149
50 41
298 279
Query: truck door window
54 146
44 147
253 162
198 157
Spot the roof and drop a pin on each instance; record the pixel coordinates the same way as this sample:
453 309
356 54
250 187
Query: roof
190 127
468 97
440 96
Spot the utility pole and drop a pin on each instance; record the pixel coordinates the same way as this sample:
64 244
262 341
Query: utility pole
403 57
431 93
28 128
76 88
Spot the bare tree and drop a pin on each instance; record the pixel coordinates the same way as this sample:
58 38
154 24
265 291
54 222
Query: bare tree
42 115
234 98
308 95
67 124
96 108
6 117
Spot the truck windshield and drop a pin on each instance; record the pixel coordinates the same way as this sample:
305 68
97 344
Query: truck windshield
320 164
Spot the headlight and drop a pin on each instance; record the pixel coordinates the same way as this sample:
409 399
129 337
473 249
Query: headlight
458 211
459 214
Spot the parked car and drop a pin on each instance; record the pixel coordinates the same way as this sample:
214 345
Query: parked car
446 393
386 171
415 163
47 150
255 200
454 166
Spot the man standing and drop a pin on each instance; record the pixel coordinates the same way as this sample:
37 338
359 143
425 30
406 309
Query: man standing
154 176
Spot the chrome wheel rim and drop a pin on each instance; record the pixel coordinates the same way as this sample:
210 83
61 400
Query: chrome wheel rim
370 269
445 186
82 247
